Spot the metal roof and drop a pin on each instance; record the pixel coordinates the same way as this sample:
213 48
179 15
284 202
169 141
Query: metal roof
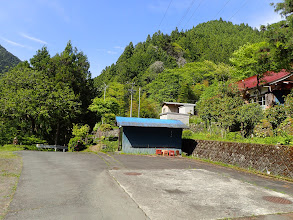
149 122
268 78
178 103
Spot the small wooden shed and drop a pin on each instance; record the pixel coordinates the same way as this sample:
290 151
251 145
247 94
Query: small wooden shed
145 135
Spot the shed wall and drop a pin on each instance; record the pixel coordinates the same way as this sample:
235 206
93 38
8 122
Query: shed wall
147 139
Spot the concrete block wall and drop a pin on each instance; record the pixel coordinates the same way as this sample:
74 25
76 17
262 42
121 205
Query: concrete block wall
271 159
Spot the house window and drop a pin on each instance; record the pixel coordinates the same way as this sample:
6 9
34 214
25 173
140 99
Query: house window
262 100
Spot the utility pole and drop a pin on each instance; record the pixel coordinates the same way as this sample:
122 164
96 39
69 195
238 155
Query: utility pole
138 102
131 92
105 88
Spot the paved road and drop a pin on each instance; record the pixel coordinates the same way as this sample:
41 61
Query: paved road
56 185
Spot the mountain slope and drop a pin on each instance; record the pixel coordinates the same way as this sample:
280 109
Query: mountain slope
214 41
7 60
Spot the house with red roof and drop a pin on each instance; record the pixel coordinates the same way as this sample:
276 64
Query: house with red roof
271 89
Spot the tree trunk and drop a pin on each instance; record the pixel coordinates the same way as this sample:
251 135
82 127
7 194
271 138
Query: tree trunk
33 124
57 133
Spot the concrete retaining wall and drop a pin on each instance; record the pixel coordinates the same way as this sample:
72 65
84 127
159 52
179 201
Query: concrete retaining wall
271 159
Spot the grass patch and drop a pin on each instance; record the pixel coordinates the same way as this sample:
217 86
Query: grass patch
10 170
236 137
109 146
10 147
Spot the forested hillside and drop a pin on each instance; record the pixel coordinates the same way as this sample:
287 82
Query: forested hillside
7 60
214 41
53 98
179 66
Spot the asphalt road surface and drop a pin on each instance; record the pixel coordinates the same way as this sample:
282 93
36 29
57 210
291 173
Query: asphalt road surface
57 185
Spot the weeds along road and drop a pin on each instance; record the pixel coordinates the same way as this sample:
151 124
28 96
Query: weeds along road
57 185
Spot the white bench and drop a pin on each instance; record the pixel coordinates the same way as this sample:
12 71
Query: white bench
45 146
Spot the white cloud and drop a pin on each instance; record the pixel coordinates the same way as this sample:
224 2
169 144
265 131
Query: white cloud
111 52
119 47
33 38
13 43
264 19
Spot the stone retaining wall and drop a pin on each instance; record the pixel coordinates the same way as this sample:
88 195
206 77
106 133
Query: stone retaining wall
271 159
111 133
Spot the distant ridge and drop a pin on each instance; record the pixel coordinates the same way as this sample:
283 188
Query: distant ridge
7 60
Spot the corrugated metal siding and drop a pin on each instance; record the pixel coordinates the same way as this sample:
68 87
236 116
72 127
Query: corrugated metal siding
149 122
146 140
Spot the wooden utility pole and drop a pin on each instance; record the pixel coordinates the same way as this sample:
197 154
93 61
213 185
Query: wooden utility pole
105 88
131 92
138 102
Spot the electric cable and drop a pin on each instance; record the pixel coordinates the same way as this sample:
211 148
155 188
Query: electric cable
238 10
193 13
221 9
165 14
186 12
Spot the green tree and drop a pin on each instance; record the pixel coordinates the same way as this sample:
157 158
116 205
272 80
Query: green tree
102 107
246 60
249 116
36 104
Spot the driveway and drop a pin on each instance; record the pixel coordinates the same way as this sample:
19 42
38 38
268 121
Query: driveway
56 185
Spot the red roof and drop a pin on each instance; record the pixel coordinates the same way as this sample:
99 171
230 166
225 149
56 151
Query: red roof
269 77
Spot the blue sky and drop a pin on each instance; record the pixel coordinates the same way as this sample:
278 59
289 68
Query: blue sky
102 28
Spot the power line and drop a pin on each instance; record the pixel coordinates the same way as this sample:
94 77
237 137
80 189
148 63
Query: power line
165 14
221 9
238 10
193 14
186 12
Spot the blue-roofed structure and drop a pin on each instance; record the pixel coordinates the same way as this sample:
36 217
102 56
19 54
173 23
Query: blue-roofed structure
149 122
145 135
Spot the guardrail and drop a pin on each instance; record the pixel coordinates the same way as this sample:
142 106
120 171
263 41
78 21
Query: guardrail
45 146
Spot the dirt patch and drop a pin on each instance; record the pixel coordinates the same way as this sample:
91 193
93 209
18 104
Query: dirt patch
10 169
95 148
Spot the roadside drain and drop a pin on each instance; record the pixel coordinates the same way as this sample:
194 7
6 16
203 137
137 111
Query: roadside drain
132 174
278 200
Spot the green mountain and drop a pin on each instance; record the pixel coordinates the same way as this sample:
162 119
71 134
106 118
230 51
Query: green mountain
7 60
214 41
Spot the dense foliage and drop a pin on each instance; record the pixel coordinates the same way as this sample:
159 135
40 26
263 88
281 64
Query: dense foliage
45 97
42 99
7 60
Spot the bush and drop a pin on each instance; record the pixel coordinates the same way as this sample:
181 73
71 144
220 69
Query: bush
263 129
234 136
109 119
97 125
286 127
186 134
31 140
111 146
195 120
76 143
276 115
106 127
80 130
90 139
249 116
